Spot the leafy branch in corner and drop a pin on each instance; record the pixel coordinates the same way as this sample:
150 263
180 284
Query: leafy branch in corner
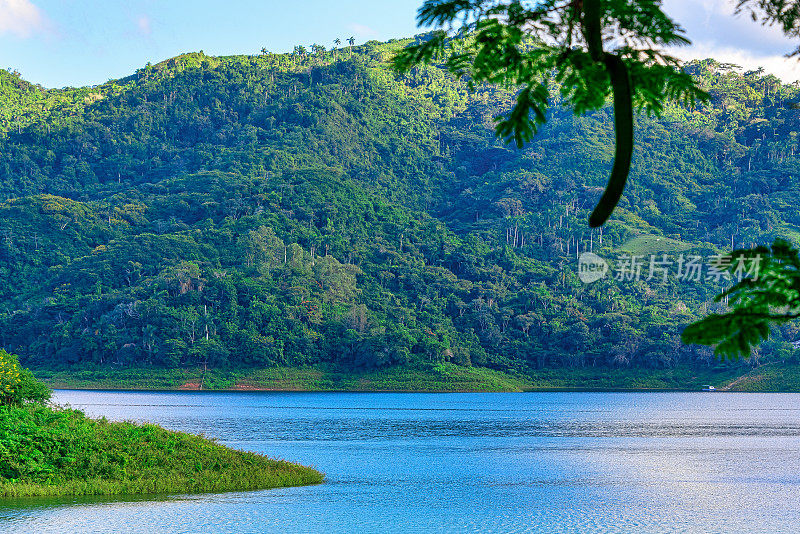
522 45
770 296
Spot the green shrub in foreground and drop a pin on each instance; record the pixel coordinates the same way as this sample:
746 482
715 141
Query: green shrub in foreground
17 384
54 451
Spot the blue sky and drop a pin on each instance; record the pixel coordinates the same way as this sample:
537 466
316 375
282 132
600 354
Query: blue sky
78 42
84 42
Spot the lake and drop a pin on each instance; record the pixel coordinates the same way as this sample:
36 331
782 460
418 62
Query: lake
466 462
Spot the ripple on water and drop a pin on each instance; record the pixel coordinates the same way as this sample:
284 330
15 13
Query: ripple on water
550 462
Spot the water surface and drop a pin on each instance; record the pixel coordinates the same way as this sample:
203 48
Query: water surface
467 462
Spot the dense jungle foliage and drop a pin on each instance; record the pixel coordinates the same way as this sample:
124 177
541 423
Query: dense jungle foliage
318 207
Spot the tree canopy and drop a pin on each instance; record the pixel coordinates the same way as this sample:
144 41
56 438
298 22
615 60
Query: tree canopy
526 45
287 209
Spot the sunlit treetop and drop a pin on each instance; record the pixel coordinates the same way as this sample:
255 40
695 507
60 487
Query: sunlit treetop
523 44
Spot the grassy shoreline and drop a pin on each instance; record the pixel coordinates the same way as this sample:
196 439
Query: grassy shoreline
46 451
433 378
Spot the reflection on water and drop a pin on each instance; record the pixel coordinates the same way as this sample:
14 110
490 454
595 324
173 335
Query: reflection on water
547 462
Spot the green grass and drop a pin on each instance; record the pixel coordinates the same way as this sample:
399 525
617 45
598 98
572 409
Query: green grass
788 231
678 378
134 378
644 245
51 452
439 377
768 378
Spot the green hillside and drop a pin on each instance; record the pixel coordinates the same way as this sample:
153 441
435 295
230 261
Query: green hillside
297 210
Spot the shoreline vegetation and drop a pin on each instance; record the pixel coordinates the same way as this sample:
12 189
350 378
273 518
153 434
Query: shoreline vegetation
59 452
771 377
47 450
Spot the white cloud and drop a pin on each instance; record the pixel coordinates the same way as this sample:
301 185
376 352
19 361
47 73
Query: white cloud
716 32
21 18
143 23
362 30
787 69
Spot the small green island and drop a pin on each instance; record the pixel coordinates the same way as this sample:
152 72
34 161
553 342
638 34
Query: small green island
47 450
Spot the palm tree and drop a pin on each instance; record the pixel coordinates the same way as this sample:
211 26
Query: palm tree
337 42
301 52
351 41
149 338
206 325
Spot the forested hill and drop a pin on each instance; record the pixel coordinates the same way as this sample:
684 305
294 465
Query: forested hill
317 207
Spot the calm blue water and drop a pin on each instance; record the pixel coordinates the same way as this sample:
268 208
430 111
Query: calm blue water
471 462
